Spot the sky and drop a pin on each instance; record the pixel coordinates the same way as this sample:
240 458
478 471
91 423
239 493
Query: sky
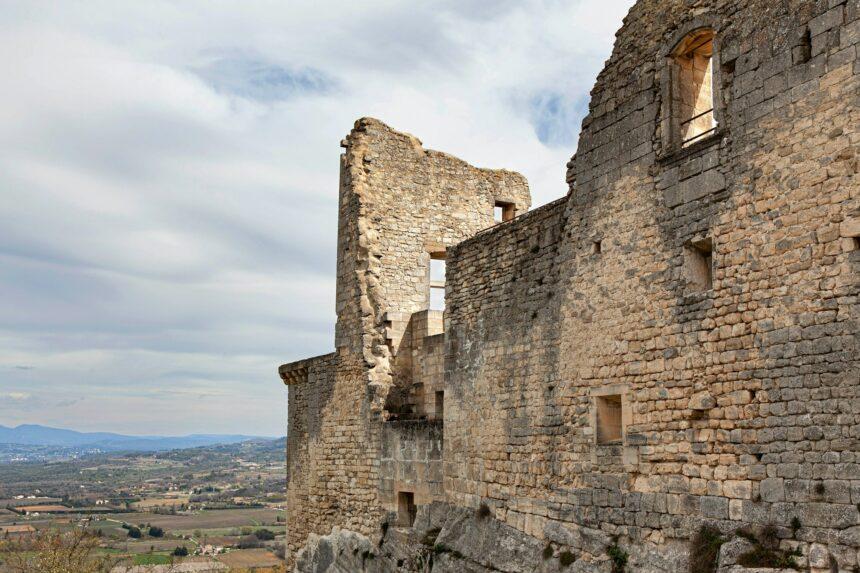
169 179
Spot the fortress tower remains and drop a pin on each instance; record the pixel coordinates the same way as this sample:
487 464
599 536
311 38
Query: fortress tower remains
672 345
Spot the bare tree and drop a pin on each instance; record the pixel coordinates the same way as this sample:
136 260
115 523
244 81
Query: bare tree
55 552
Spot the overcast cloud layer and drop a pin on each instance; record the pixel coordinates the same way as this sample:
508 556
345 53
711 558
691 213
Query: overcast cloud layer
168 180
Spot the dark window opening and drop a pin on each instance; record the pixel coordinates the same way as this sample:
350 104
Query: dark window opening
406 509
856 243
699 264
440 405
609 421
437 281
597 247
693 98
802 53
503 211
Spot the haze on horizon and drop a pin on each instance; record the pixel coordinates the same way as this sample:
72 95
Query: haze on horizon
169 176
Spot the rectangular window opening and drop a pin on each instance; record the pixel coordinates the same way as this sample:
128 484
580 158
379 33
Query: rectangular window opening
504 211
437 281
699 263
597 247
440 405
609 424
693 98
802 53
406 509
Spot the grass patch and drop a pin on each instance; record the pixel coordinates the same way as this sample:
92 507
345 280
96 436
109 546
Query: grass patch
766 551
705 549
760 556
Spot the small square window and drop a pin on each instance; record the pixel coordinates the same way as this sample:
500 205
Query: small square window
504 211
609 419
406 509
699 264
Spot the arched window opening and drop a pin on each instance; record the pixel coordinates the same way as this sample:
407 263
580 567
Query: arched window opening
693 90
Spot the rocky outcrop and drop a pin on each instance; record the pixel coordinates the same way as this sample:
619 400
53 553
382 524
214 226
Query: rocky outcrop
444 539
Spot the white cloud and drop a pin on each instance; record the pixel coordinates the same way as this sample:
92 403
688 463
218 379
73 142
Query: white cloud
170 170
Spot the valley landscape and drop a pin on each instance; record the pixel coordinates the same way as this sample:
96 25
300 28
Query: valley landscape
219 506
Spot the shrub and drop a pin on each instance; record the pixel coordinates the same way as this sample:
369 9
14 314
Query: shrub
760 556
181 551
264 535
134 532
705 549
156 531
55 552
249 542
566 558
483 511
795 526
618 557
429 538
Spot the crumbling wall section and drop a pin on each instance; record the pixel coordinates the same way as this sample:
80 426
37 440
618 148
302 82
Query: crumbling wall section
399 204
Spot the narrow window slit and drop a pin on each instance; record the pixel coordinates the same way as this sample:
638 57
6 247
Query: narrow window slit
437 281
699 262
406 509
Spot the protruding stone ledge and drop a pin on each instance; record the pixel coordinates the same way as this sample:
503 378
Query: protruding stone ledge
297 372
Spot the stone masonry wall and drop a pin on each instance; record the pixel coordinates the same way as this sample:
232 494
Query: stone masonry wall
411 461
741 399
398 204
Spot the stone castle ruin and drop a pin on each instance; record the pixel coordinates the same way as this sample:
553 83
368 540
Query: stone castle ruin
658 372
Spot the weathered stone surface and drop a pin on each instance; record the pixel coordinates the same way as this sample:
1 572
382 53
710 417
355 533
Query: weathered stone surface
445 539
730 551
671 344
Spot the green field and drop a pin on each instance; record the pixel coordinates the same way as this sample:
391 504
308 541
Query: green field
152 559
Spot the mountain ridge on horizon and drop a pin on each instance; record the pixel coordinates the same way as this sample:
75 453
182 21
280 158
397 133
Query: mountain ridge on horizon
39 435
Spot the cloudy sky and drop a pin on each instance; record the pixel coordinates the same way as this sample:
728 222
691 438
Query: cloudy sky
168 180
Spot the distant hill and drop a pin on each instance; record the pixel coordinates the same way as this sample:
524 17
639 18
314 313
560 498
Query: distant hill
35 435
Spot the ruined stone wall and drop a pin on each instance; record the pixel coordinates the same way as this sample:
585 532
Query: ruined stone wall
398 204
742 399
401 203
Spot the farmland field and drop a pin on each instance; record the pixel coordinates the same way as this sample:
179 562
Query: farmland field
245 558
207 519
